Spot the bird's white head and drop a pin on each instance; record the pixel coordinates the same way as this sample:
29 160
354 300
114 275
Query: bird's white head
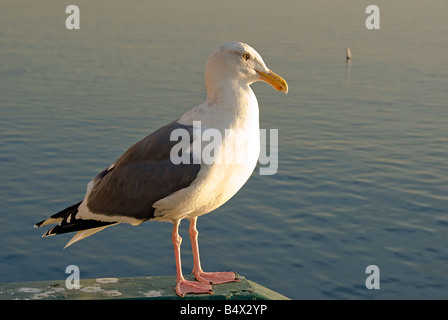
237 61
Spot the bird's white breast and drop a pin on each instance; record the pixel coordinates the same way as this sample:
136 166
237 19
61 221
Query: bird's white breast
235 160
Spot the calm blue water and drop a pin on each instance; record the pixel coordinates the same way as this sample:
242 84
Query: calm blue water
363 150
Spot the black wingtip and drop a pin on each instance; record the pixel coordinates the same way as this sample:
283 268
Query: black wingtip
56 218
48 233
39 224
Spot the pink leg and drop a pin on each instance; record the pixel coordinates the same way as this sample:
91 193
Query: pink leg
201 276
183 286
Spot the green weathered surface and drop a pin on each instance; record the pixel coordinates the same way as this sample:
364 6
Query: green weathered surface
151 288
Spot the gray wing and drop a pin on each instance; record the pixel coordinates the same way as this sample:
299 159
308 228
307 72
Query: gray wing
143 175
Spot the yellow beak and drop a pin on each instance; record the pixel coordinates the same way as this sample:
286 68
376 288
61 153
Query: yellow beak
274 80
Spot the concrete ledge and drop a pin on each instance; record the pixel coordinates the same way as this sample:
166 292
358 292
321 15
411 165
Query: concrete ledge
135 288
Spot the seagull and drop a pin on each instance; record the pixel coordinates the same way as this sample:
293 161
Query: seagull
148 182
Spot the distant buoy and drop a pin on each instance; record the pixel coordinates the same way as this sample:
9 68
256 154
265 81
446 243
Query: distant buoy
349 53
349 56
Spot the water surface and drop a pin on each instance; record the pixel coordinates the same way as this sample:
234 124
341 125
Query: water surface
362 176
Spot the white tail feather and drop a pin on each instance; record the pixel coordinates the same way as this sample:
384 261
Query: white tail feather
85 233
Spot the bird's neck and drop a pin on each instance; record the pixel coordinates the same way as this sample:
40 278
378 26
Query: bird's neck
227 106
234 104
229 94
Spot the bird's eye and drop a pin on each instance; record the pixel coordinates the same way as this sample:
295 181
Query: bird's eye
246 56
